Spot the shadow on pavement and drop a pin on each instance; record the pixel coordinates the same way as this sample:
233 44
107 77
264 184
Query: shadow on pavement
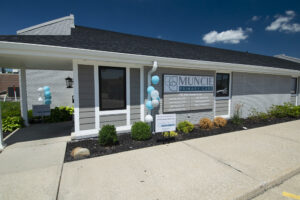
41 131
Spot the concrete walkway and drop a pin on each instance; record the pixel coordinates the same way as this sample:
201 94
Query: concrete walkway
239 165
31 169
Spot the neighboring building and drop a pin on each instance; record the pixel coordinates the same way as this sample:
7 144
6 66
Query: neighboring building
9 84
110 75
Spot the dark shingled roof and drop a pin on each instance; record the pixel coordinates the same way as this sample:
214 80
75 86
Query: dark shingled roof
96 39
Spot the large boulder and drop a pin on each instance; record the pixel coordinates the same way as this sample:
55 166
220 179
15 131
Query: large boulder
79 152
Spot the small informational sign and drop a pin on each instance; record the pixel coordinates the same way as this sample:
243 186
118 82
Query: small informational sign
41 110
165 122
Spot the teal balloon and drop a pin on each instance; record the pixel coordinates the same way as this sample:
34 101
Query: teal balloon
47 93
150 89
149 105
155 79
46 88
48 97
48 102
158 98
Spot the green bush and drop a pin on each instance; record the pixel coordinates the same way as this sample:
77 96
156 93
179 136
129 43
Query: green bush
9 124
58 114
140 131
258 116
108 135
10 109
185 126
285 110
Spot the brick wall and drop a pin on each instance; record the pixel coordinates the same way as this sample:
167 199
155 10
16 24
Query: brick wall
8 80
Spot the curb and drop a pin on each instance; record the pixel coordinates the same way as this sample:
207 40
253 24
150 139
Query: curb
266 186
11 134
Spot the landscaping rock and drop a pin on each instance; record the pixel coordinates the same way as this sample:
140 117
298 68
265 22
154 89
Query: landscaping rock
79 152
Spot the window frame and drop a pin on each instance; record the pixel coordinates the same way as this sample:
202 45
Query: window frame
229 85
296 89
124 83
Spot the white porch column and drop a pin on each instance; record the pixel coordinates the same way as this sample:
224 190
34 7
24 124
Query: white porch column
142 99
76 97
23 95
128 95
1 134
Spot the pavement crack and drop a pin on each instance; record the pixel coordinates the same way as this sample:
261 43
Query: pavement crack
218 160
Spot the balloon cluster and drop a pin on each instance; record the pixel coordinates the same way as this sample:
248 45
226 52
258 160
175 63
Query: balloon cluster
47 95
154 101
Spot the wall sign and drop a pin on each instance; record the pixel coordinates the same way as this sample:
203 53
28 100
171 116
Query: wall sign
187 93
182 83
41 110
165 122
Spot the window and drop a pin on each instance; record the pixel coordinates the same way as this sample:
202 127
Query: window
222 85
112 88
294 86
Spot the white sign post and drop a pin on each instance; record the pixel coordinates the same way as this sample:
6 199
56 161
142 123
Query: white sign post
165 122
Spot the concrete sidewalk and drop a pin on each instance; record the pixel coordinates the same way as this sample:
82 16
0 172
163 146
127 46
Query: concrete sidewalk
31 169
238 165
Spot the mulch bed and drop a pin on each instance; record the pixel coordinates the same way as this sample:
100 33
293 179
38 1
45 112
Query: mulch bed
127 144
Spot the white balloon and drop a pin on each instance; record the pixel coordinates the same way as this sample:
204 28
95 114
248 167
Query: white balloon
154 94
155 102
148 118
40 99
40 89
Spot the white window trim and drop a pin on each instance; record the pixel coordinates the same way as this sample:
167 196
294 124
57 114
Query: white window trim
223 98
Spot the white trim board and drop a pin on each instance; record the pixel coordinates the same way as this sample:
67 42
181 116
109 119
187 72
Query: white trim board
14 48
76 97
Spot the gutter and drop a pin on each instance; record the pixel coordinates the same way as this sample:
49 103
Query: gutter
14 48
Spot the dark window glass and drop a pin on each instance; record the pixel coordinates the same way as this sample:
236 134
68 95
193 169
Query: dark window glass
222 85
294 86
112 87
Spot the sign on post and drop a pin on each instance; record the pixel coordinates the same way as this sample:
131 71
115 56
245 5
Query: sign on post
41 110
165 122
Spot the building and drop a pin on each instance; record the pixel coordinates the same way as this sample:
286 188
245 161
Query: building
110 72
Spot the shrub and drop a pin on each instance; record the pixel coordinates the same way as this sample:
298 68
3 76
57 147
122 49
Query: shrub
10 109
206 123
294 112
170 134
9 124
258 116
280 111
140 131
108 135
58 114
220 122
185 126
236 119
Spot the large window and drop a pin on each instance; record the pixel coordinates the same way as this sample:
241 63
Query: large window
222 85
294 86
112 87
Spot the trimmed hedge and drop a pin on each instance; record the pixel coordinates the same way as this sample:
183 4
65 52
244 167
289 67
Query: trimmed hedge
140 131
108 135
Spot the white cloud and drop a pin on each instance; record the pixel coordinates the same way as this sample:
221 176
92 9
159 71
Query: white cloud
229 36
283 23
255 18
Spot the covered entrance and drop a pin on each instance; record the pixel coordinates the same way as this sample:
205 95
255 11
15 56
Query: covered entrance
33 59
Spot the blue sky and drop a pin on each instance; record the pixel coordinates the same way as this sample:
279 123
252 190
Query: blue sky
223 24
